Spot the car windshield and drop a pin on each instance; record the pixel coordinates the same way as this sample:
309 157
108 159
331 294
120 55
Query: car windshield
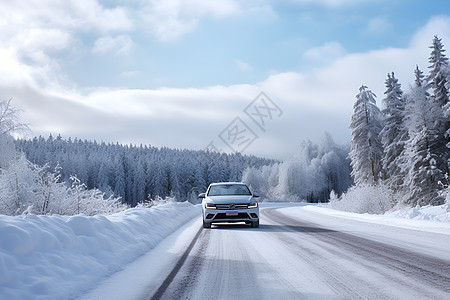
228 189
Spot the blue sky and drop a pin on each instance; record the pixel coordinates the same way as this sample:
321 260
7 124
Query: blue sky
176 73
248 46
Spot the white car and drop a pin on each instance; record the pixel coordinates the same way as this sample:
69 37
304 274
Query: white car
229 202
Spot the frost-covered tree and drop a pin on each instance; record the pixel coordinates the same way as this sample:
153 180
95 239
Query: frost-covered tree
437 82
9 125
423 178
366 149
447 116
310 176
394 134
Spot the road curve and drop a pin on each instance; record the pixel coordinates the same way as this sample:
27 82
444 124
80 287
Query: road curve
293 259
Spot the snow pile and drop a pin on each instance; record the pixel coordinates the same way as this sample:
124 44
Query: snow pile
59 257
439 213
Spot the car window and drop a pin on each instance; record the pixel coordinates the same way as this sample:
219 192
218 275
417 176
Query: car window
228 189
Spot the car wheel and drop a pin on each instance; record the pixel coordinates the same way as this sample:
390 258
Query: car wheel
255 224
206 224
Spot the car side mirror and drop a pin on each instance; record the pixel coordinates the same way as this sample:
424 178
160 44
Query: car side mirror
202 195
255 195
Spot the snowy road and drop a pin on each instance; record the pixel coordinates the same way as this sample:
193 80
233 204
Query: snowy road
295 254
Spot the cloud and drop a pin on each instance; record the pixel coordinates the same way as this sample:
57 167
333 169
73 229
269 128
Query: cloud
333 3
329 51
377 26
243 66
167 20
121 44
129 74
312 103
35 32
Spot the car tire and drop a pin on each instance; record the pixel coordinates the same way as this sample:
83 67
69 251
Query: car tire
255 224
206 224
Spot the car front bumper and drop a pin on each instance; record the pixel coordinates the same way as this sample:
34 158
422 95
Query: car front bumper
235 215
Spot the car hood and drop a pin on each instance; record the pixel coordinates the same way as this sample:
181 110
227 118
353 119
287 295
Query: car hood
230 199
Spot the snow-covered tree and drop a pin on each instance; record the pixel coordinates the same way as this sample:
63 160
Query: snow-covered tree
423 178
437 82
394 134
9 125
310 176
366 149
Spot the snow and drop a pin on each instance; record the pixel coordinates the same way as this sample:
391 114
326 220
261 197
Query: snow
428 218
61 257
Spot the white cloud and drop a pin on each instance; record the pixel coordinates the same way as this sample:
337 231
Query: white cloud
167 20
333 3
312 103
377 25
121 44
242 65
329 51
129 74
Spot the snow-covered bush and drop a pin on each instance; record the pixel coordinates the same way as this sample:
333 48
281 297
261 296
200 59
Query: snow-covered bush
26 187
156 201
365 198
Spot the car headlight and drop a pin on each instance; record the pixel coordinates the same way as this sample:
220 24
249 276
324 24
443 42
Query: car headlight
210 205
253 205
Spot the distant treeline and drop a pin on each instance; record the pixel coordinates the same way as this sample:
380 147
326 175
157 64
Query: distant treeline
137 173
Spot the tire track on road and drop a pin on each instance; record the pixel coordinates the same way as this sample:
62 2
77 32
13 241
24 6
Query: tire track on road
166 283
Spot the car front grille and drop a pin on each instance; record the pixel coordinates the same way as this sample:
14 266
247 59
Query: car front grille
231 206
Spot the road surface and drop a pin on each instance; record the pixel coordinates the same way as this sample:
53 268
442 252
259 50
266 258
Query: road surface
296 253
288 258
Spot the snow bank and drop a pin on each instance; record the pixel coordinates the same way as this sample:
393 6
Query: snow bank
433 218
439 213
60 257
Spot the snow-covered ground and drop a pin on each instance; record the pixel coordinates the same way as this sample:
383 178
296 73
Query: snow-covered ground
60 257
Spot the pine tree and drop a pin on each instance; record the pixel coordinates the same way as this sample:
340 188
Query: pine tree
394 134
365 147
437 82
423 179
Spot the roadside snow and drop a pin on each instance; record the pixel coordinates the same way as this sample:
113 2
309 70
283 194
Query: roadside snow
431 219
60 257
430 213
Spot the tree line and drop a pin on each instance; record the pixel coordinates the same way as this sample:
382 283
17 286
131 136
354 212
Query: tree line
137 173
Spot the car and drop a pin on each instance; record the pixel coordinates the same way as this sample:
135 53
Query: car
229 202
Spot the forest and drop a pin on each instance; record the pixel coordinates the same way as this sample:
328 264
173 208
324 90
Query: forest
137 173
402 151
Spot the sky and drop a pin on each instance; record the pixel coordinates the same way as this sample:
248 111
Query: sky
254 76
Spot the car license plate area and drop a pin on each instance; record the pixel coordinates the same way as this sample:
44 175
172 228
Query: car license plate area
232 213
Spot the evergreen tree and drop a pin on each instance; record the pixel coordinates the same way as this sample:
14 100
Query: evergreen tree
437 82
447 117
394 134
423 178
365 147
